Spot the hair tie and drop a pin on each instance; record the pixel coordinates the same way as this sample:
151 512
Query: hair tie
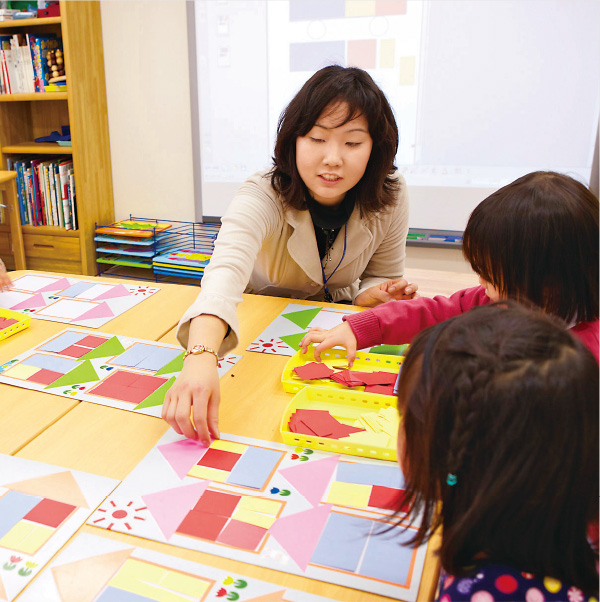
451 479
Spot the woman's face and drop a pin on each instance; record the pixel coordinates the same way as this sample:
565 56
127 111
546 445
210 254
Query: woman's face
332 158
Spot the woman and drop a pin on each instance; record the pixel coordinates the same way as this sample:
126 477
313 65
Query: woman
327 222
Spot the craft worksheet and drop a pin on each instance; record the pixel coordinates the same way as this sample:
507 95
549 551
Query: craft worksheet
41 506
72 300
112 370
294 510
283 335
95 567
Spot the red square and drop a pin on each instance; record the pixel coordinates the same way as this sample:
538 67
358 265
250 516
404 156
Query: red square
92 342
386 498
215 502
217 458
242 535
50 513
44 377
127 386
204 526
75 351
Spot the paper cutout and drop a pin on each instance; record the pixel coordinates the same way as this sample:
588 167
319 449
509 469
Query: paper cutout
293 340
117 291
169 507
302 318
100 311
60 486
31 303
175 365
182 455
272 597
311 480
111 347
313 370
58 285
299 533
320 423
80 581
158 397
83 373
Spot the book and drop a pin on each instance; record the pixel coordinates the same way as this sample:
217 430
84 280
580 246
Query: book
73 198
63 174
45 43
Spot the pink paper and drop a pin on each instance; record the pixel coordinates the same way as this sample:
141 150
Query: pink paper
117 291
170 506
182 455
34 301
59 285
100 311
298 534
311 479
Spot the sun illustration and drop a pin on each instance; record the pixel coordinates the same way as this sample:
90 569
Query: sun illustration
268 346
120 516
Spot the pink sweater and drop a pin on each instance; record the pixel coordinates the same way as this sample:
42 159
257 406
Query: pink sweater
397 322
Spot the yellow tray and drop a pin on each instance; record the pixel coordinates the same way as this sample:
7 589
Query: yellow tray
365 362
23 322
345 406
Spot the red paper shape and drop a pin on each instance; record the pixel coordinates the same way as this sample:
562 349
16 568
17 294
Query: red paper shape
220 459
347 378
128 386
380 389
242 535
313 370
44 377
49 513
386 498
384 378
92 341
75 351
319 423
215 502
204 526
6 322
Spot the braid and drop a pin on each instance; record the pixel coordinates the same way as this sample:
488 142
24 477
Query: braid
471 390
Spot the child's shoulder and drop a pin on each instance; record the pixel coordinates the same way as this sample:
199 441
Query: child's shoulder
492 582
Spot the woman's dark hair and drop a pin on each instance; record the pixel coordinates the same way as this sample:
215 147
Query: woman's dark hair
377 188
537 239
506 400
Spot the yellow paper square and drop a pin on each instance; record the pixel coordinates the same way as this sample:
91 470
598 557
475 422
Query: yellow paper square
26 537
259 504
253 518
407 70
210 474
134 570
387 50
230 446
369 439
349 494
195 587
360 8
21 371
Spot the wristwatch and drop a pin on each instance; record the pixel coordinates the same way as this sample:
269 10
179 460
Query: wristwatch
198 349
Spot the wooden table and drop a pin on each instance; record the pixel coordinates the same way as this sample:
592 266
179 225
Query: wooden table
111 442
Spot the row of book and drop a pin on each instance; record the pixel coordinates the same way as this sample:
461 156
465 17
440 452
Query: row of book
46 191
23 62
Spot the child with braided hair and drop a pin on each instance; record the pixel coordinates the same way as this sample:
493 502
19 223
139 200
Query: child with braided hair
500 425
534 240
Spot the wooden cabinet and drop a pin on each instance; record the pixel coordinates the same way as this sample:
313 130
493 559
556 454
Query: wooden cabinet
24 117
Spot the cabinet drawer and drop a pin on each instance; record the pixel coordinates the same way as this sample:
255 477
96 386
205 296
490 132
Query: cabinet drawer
52 253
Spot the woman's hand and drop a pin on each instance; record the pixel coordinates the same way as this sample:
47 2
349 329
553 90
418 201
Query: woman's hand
191 405
391 290
341 335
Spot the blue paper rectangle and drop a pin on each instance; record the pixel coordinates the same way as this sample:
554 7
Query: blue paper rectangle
62 341
77 288
368 474
113 594
317 10
133 356
51 362
254 468
342 542
14 505
158 357
386 558
311 56
146 357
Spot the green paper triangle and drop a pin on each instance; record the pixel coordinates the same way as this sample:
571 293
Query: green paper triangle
389 349
108 348
84 373
175 365
302 318
158 397
293 340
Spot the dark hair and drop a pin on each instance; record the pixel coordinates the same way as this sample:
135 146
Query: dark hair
506 400
537 239
377 188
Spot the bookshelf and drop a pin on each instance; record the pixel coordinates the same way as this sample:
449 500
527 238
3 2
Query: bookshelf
24 117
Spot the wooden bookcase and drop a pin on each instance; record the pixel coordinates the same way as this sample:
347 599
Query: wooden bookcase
24 117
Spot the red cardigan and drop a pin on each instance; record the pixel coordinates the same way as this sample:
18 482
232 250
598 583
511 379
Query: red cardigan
397 322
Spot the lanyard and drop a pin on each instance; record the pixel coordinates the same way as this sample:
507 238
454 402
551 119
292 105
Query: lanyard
328 296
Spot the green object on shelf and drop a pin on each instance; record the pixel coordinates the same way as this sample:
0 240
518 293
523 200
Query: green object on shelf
132 264
389 349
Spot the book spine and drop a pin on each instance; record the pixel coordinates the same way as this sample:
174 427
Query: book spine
64 189
41 216
58 192
21 191
29 206
73 199
47 198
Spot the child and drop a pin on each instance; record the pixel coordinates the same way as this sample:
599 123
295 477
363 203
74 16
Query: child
5 282
500 425
534 240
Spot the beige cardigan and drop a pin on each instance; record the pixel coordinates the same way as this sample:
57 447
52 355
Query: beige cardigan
265 249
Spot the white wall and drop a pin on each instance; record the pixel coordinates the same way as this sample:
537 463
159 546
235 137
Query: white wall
149 119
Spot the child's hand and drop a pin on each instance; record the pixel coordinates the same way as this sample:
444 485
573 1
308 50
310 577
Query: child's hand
341 335
5 282
391 290
191 405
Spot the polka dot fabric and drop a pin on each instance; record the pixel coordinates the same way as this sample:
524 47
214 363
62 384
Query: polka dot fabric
500 583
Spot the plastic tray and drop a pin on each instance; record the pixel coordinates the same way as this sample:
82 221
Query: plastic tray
23 322
346 406
365 362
